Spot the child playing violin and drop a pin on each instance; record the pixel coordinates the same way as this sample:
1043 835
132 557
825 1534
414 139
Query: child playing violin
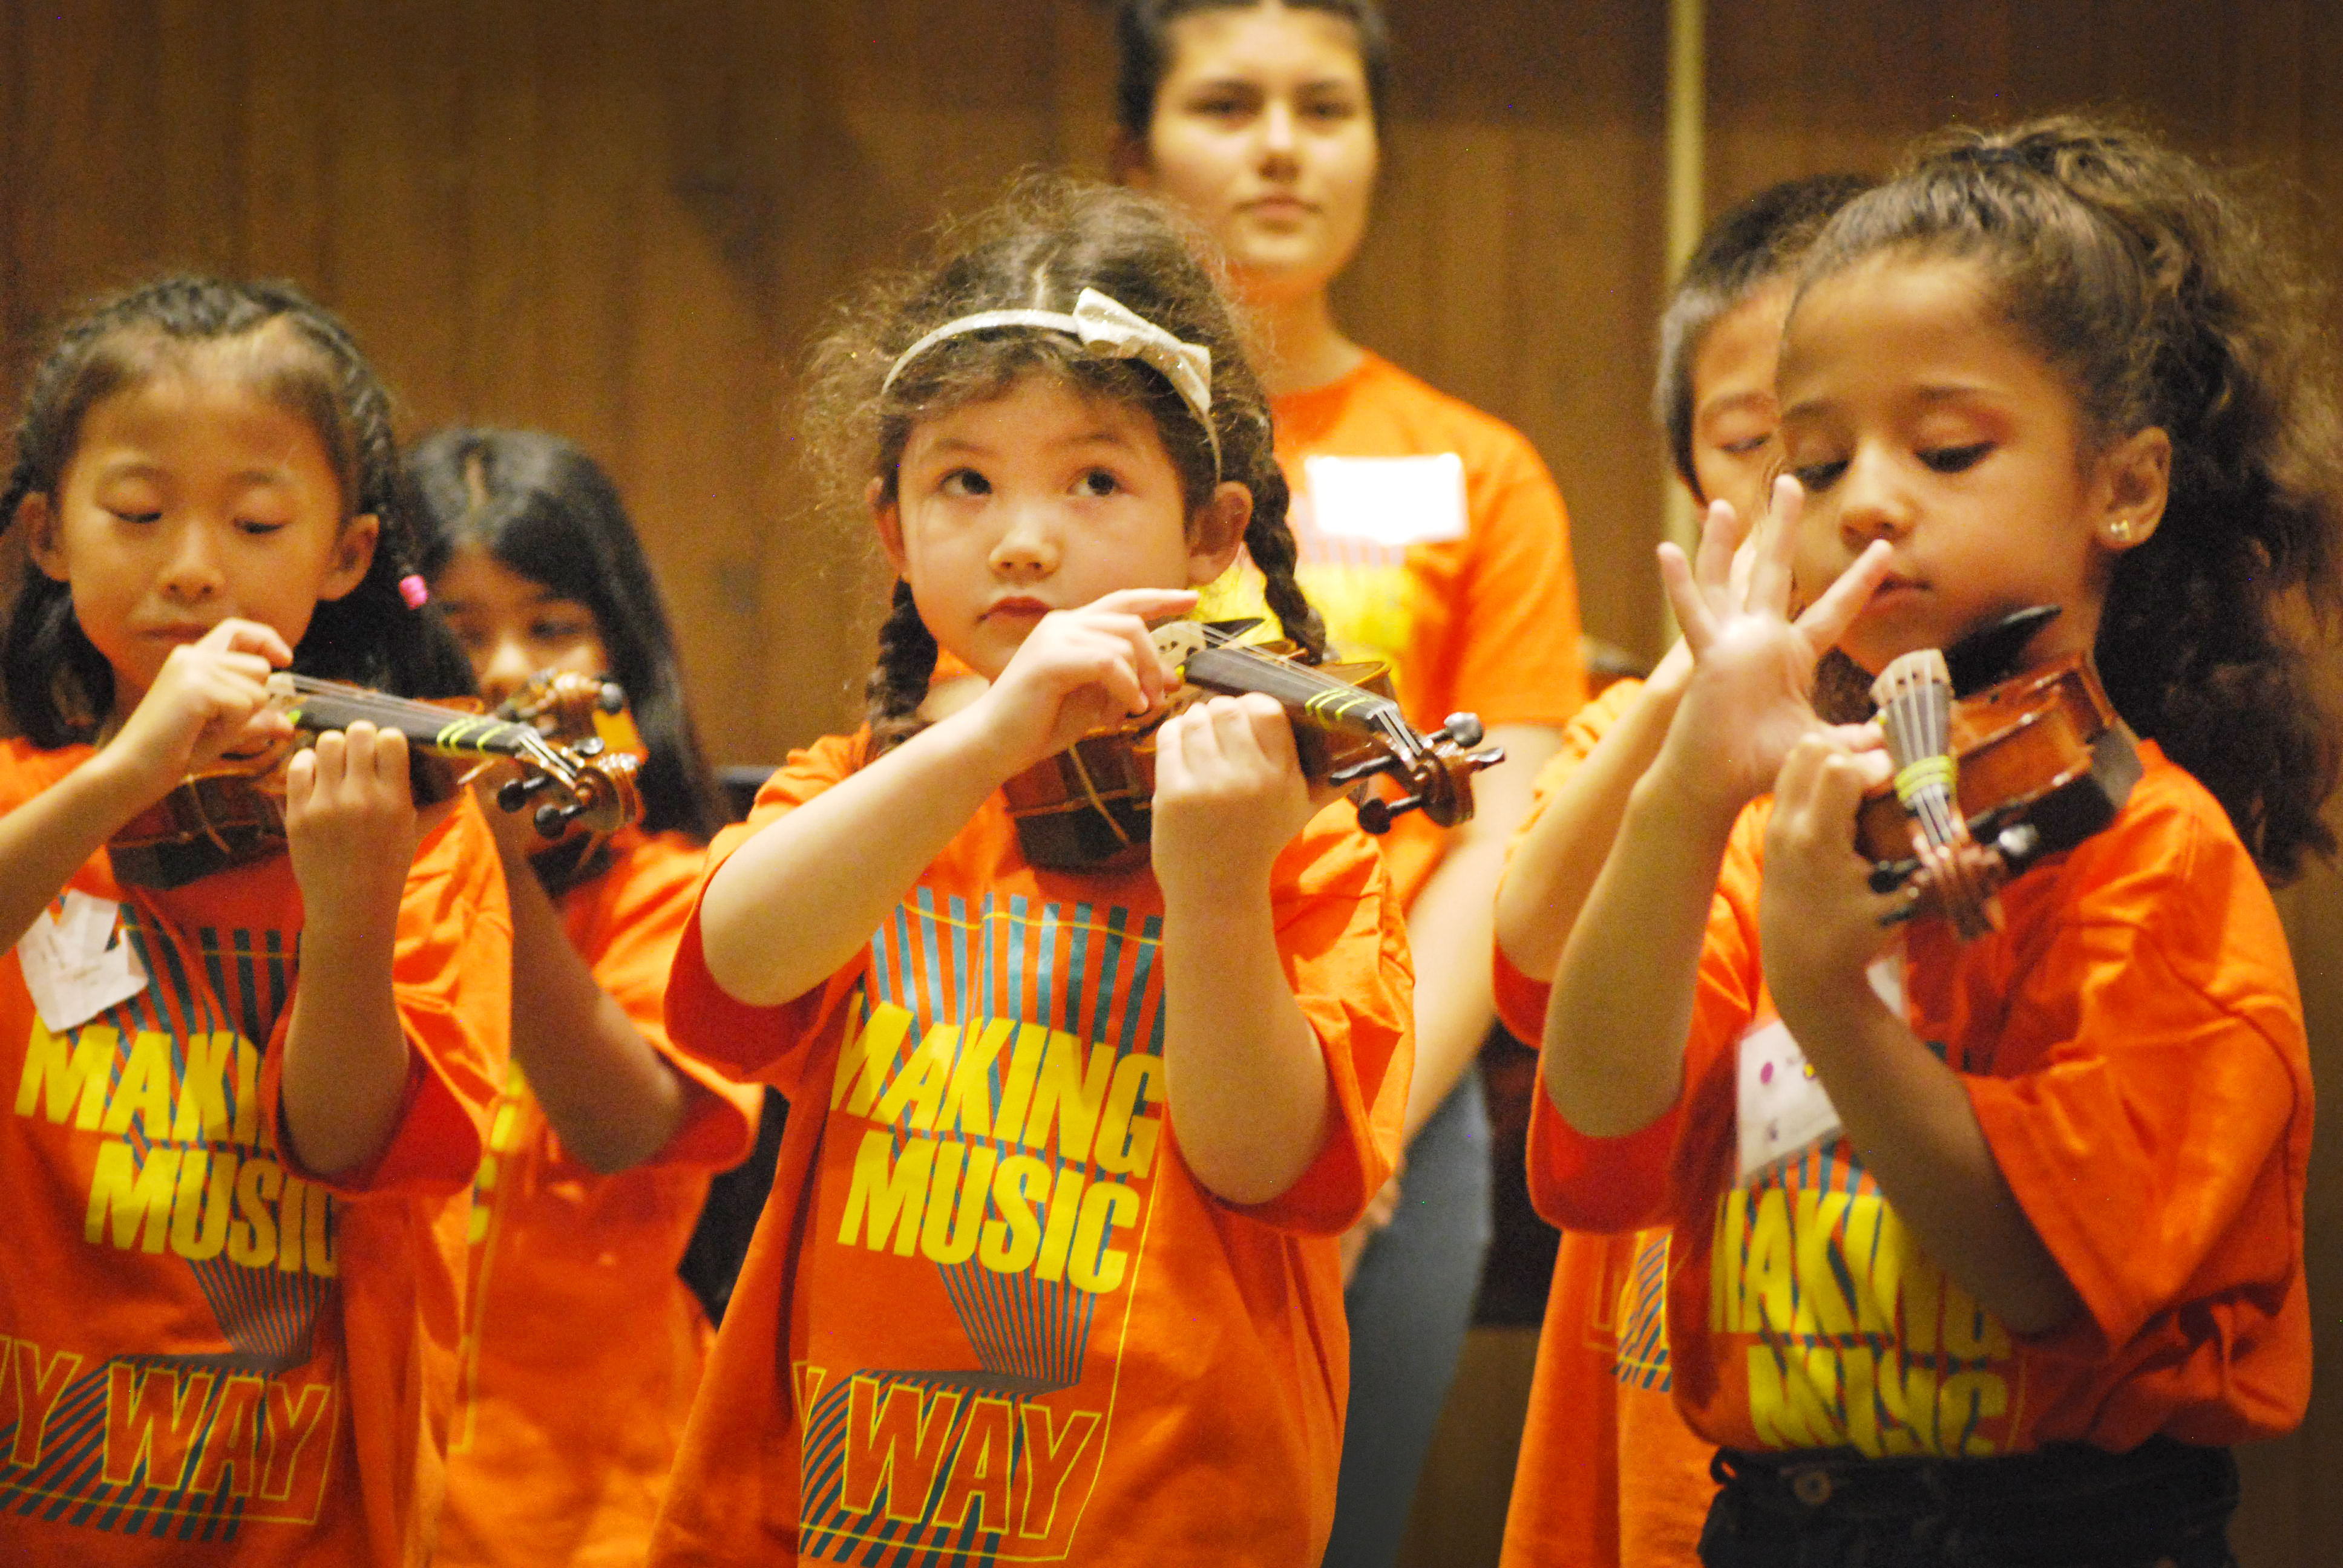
1050 1262
1608 1473
248 1107
2041 1259
582 1347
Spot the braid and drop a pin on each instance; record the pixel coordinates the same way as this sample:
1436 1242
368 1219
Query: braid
906 661
1270 543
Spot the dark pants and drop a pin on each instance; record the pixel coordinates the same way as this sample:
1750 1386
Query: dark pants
2067 1506
1409 1306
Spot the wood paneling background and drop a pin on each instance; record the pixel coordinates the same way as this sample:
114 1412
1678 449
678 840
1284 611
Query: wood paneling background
623 222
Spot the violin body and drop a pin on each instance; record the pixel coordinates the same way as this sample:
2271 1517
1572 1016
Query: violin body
234 814
1090 806
2041 762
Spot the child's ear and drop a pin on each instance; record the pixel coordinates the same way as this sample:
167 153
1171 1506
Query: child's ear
353 555
2136 476
1217 532
37 521
887 517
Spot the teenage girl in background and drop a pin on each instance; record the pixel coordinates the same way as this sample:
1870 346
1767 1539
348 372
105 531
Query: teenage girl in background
583 1347
244 1134
2050 1262
1050 1265
1433 538
1608 1473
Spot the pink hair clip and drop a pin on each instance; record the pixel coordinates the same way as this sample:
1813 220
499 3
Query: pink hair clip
414 590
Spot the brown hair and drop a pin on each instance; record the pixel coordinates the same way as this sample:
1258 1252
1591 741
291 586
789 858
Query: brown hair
1142 47
1039 248
2162 299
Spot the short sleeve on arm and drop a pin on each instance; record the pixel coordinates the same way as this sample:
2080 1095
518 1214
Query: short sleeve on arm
1344 942
740 1041
627 922
452 976
2156 1137
1611 1184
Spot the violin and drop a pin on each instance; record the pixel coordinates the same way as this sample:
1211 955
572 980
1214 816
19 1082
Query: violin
233 814
588 717
1090 806
1988 782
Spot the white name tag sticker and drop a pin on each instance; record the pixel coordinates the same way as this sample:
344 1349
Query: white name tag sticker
74 964
1780 1108
1394 501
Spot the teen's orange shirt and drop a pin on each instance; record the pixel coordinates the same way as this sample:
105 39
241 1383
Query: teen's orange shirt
2132 1043
582 1349
1608 1473
212 1354
1432 537
988 1316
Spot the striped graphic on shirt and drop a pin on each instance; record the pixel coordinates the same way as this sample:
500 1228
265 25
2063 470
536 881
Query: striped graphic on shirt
1006 1053
1853 1335
184 1447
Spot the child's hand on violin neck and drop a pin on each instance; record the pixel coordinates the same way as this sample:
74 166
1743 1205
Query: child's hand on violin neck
1747 700
209 704
1818 920
350 825
1079 669
1229 793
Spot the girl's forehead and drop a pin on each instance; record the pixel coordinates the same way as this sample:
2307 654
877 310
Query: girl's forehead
1037 410
1849 318
1266 38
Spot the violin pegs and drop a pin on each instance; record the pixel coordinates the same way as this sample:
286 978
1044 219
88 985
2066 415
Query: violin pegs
1488 757
553 816
514 793
612 698
1375 813
1465 728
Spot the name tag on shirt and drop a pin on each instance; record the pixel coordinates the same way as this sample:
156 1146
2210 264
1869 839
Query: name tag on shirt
74 965
1394 501
1782 1109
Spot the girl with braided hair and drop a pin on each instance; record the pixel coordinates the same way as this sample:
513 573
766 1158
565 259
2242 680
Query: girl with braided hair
1049 1270
248 1104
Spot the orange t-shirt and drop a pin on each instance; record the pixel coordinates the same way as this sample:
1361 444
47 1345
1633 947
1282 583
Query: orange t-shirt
1608 1473
211 1354
1015 1328
1432 537
582 1347
2132 1043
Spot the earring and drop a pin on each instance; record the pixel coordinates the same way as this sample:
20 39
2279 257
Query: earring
2120 530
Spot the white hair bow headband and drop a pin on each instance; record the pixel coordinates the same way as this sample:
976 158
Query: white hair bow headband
1108 329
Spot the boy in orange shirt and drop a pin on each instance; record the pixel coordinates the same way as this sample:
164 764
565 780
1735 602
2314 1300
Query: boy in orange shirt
1608 1473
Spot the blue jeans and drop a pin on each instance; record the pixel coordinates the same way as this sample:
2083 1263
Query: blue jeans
1409 1306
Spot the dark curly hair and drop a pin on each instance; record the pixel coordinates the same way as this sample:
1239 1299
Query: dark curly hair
1038 249
58 686
540 507
2163 299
